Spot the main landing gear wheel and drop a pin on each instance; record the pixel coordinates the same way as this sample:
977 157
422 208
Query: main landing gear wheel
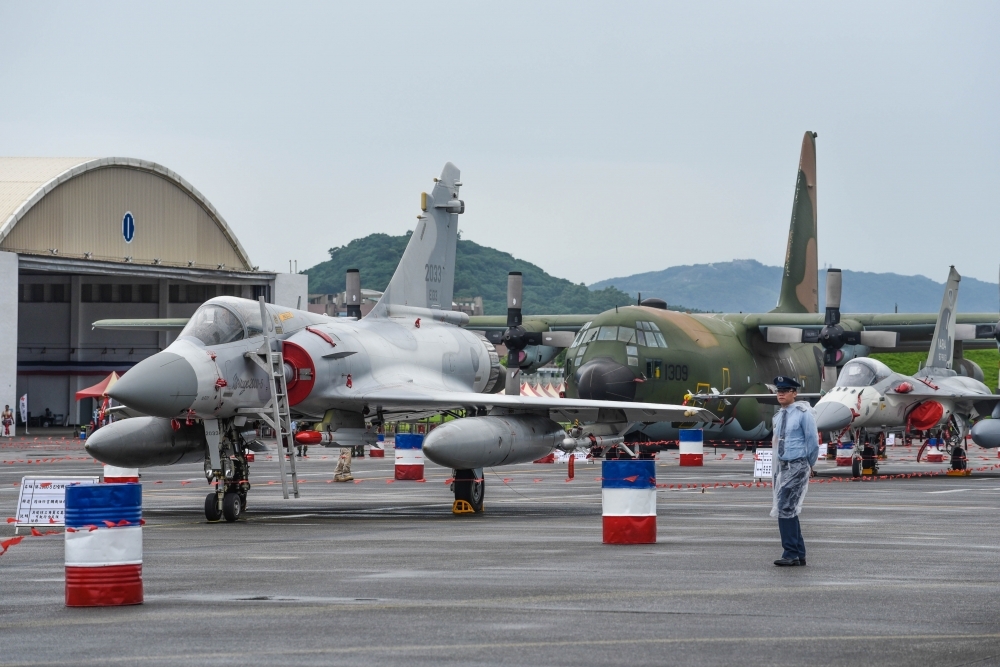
856 467
470 487
232 506
212 512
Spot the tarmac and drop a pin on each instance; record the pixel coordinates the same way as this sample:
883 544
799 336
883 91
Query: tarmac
901 571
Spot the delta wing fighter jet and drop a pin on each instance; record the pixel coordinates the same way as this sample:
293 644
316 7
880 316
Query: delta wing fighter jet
869 397
239 364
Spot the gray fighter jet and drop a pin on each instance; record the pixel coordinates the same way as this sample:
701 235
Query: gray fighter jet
209 392
870 398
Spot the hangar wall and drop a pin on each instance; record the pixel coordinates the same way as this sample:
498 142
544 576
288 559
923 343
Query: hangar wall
106 238
8 330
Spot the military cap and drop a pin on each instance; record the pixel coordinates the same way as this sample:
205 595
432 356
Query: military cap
785 382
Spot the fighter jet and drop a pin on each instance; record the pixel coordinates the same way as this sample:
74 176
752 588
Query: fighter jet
210 391
870 398
724 361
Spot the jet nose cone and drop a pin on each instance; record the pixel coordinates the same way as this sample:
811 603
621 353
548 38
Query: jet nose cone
831 416
604 379
165 385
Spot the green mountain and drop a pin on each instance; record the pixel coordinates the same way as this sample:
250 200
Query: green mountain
746 285
479 271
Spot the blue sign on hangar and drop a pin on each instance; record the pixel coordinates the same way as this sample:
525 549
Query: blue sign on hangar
128 227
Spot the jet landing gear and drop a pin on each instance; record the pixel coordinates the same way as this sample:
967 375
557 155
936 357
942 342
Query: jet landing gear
230 496
470 489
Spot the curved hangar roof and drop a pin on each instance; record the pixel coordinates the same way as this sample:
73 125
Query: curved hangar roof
112 209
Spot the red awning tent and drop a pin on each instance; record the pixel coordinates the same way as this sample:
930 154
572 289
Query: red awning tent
98 390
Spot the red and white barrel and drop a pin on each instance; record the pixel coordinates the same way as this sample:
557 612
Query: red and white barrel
409 456
628 501
933 454
116 475
692 446
103 545
845 454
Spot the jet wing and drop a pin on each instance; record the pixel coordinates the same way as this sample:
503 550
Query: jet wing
143 324
767 399
560 409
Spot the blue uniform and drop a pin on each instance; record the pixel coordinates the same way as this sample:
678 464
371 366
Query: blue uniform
796 448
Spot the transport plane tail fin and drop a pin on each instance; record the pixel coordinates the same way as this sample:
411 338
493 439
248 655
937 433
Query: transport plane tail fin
943 344
425 276
800 278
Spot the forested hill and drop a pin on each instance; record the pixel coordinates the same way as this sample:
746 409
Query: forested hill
751 287
480 271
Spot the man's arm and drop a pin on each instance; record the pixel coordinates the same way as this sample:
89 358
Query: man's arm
811 436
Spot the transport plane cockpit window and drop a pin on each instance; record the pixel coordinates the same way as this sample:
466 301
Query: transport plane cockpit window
626 334
214 325
608 333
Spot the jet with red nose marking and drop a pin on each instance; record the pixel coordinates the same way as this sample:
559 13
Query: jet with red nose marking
869 398
409 357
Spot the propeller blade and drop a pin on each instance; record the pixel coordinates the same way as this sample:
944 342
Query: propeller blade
834 285
558 338
514 283
879 338
829 378
512 381
784 335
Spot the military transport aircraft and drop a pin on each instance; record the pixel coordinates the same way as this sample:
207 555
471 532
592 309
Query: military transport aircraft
238 364
870 398
648 353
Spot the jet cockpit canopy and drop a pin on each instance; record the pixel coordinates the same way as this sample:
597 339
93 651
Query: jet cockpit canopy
863 373
224 319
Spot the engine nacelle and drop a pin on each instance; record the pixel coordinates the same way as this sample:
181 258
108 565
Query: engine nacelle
536 356
484 442
142 442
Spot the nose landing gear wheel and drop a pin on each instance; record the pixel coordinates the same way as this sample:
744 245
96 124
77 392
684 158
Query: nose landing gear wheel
470 487
232 506
856 467
212 512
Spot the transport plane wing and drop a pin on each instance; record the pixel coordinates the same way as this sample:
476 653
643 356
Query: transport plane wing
563 409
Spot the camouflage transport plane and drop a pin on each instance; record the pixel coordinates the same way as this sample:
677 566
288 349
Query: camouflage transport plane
650 354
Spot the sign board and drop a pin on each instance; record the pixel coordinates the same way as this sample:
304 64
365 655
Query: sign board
42 501
128 227
890 439
762 464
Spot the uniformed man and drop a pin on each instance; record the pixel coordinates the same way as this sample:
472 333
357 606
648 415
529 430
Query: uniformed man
795 448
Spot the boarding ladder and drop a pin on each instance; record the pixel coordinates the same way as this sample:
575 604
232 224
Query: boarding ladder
275 412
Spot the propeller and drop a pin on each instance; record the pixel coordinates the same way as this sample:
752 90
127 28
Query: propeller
516 338
832 336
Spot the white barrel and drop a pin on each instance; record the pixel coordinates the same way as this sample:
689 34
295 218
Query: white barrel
692 446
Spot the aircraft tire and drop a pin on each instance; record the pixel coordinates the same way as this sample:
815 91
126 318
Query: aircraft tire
232 506
470 487
856 467
212 512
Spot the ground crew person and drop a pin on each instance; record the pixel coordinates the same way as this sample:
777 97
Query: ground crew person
795 448
343 471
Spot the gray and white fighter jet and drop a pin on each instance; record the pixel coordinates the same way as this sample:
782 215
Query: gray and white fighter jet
409 357
870 398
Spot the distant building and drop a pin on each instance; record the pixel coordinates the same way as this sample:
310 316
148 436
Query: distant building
335 305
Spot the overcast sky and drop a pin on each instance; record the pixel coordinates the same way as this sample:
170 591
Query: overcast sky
594 139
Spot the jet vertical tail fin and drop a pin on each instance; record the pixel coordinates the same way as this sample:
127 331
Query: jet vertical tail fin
943 343
800 278
425 276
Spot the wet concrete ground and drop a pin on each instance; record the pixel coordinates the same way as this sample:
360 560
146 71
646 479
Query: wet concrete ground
902 571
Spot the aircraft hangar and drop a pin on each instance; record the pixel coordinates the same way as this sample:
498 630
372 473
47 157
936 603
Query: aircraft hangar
83 239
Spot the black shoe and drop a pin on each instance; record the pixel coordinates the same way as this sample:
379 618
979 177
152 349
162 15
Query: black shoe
787 562
802 561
